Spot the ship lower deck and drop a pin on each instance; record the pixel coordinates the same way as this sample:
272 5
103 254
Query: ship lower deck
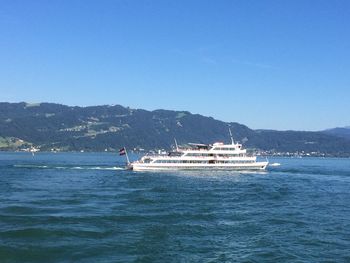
185 166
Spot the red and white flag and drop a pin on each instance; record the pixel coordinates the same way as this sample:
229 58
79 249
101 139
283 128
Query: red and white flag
122 151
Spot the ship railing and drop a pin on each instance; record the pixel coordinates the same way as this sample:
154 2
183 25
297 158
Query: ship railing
200 157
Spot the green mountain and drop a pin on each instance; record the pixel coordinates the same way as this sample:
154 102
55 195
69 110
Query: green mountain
54 126
343 132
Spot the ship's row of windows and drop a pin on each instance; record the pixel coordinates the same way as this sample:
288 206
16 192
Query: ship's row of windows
201 162
230 155
211 154
179 161
224 149
199 154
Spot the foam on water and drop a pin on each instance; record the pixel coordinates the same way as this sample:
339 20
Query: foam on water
33 166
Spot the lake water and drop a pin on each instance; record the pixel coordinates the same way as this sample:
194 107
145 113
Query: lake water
83 207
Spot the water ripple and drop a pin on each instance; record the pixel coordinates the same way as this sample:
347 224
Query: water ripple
87 208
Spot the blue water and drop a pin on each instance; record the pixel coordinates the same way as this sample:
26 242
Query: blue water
70 207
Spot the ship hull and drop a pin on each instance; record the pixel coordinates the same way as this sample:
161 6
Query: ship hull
257 166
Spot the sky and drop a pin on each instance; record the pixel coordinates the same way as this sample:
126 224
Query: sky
266 64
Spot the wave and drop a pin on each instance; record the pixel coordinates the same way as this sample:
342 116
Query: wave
33 166
310 171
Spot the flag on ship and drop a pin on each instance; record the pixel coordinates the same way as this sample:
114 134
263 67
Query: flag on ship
122 151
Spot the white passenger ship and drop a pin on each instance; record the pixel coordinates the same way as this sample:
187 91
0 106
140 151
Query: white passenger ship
201 156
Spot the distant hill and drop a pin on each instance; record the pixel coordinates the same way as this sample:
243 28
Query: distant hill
96 128
343 132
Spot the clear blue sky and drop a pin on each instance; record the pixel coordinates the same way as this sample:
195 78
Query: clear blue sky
267 64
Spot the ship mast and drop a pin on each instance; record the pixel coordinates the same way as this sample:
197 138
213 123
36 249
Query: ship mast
232 142
177 147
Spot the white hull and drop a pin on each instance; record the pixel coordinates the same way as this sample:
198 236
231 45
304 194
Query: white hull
218 156
258 166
